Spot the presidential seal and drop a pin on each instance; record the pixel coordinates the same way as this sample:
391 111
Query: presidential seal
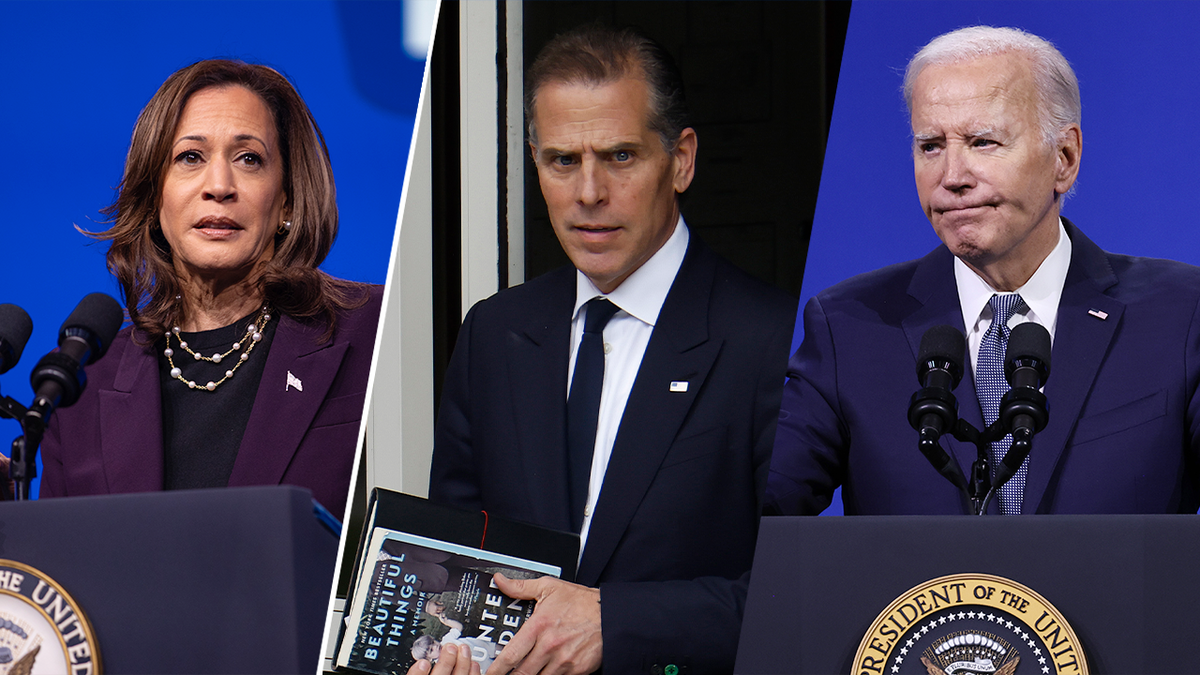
970 624
42 629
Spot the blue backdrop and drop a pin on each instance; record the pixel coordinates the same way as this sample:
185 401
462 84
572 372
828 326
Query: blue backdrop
1140 81
79 73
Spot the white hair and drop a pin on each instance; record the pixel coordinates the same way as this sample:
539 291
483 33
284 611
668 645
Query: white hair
1057 86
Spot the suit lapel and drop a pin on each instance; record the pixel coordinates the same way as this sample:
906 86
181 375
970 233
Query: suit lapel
282 413
537 348
933 285
1080 342
131 437
679 351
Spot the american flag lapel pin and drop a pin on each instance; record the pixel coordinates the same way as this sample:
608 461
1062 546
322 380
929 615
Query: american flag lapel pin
1098 314
679 386
293 381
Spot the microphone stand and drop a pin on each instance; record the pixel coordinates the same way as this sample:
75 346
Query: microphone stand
980 489
22 467
1023 409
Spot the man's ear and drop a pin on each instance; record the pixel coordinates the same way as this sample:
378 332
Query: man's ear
684 157
1070 147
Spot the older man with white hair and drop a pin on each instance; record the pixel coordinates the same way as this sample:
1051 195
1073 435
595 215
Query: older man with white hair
997 140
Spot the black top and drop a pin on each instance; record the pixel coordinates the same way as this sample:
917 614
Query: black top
202 429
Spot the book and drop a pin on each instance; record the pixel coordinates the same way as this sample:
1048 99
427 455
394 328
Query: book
415 594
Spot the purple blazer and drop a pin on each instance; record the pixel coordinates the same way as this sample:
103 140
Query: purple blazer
111 440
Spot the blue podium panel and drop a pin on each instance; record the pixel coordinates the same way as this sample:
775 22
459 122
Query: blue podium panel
1126 584
198 581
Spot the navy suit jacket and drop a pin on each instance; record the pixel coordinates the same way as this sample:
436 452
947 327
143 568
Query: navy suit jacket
673 534
111 440
1124 426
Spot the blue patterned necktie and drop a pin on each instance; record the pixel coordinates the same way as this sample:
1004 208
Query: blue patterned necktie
990 387
583 405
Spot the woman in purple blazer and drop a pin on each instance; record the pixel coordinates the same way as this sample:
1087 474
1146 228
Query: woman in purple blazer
244 363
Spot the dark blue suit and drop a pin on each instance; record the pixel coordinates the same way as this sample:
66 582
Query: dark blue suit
1124 425
673 534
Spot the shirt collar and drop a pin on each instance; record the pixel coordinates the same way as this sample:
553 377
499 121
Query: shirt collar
1041 293
643 293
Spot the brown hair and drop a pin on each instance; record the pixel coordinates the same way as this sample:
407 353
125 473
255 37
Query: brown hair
140 256
596 54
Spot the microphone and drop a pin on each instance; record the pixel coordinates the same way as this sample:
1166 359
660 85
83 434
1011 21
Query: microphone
58 378
1023 409
933 409
15 329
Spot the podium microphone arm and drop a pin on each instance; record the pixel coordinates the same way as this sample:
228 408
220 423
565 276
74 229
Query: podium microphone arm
933 410
58 378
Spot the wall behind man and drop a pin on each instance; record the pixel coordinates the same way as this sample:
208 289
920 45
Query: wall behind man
1140 82
78 73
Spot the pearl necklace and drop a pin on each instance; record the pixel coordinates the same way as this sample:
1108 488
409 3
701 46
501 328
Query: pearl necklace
253 337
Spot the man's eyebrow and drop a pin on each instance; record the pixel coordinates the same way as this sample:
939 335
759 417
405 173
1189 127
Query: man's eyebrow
976 133
619 147
553 151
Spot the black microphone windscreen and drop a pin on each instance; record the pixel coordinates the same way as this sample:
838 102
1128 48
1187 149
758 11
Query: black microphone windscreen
942 343
96 318
15 329
1029 340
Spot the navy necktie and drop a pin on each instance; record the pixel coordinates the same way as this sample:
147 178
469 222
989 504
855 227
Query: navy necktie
990 387
583 405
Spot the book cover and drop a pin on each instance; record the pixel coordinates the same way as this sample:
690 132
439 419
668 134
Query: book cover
415 596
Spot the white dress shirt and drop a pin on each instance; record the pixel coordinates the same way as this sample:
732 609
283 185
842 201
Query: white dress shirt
640 298
1041 294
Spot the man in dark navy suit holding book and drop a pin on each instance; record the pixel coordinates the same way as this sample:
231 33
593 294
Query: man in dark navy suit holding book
631 397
